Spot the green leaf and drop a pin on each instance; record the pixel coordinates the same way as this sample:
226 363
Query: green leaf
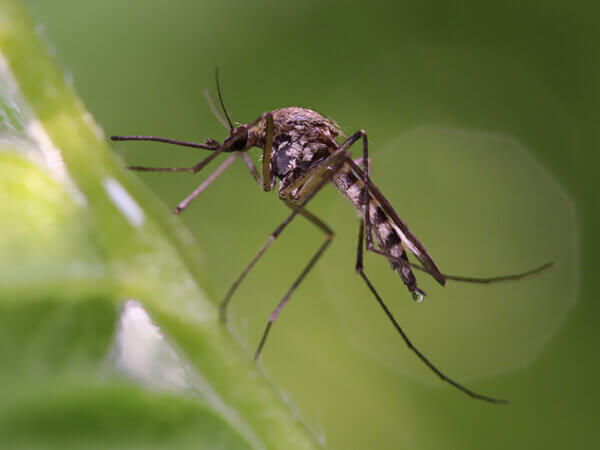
78 238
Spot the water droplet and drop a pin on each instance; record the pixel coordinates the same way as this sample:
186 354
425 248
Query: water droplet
417 297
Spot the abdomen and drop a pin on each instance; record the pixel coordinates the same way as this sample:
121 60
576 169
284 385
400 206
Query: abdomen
386 236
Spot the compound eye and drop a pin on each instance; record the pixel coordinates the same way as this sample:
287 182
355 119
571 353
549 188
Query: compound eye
240 144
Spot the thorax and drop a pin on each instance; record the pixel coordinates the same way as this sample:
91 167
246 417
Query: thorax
302 138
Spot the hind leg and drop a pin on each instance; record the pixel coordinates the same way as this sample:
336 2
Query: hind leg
403 335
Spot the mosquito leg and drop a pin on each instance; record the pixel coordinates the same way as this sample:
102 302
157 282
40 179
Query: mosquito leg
160 169
273 236
328 237
430 266
209 145
496 279
194 169
164 140
359 249
212 177
463 279
365 196
252 168
407 341
358 161
267 176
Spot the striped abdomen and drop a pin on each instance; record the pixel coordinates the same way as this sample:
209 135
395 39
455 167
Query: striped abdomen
386 236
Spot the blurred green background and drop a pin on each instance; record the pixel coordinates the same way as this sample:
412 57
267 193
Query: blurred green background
482 125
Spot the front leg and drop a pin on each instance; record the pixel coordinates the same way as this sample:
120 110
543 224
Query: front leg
251 168
268 179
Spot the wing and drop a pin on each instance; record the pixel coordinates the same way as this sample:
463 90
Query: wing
409 240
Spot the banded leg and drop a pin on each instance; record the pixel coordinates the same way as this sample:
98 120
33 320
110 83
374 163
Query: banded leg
407 341
328 238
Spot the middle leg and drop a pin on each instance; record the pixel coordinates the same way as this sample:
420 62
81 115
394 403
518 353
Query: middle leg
212 177
328 238
297 209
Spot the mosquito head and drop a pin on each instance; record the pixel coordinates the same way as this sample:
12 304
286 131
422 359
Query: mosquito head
238 139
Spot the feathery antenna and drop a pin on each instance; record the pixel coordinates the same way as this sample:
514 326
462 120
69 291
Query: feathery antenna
213 108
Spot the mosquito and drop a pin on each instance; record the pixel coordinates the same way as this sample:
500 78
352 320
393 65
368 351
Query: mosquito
302 150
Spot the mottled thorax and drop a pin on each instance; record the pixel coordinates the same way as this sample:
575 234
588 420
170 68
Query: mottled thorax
302 138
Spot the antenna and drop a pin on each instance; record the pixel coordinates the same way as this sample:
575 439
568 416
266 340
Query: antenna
221 100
